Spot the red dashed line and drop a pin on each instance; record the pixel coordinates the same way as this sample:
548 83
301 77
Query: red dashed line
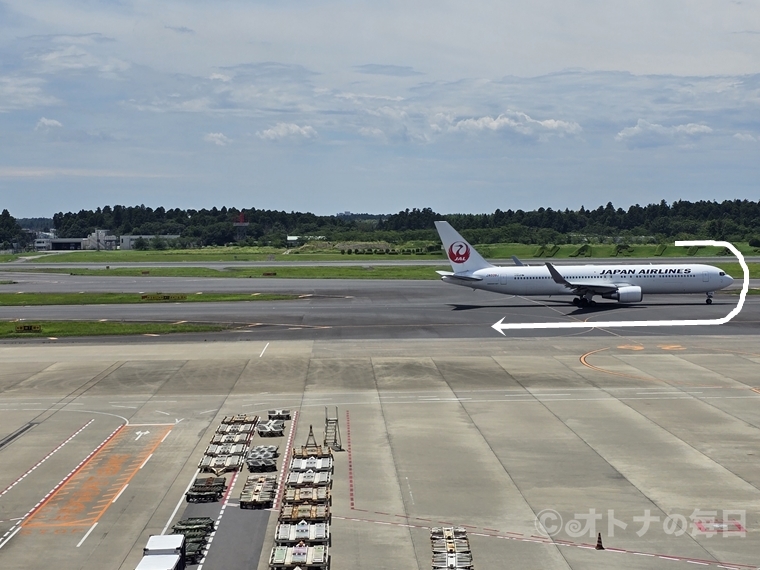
285 462
15 528
548 541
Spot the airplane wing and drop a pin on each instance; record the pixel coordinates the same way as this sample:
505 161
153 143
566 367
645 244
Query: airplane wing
517 262
461 276
581 287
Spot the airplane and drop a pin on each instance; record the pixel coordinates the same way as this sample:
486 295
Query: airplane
621 283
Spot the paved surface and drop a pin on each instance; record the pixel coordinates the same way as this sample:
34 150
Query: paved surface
367 308
62 283
359 261
488 433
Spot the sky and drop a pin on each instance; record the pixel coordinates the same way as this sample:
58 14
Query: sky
330 106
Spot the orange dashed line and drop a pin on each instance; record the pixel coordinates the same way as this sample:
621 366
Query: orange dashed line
84 486
585 363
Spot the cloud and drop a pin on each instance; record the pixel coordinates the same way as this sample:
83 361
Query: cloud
391 70
45 124
745 137
180 29
23 93
219 77
47 172
217 138
283 131
646 134
518 122
74 57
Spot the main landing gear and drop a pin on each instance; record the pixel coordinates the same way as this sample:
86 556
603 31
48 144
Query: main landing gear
583 302
709 297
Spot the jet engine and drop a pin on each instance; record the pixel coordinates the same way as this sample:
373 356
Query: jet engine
627 294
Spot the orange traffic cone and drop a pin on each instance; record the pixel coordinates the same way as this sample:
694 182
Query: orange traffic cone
599 545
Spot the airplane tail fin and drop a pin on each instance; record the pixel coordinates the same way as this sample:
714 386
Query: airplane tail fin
462 256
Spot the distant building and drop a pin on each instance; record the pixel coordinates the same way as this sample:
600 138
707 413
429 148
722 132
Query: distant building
100 239
42 244
128 242
67 244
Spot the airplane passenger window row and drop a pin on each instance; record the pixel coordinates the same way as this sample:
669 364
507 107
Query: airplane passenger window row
607 276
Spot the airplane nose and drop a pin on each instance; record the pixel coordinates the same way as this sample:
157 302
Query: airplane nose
728 280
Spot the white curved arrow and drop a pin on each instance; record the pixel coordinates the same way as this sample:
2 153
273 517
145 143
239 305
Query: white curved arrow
501 326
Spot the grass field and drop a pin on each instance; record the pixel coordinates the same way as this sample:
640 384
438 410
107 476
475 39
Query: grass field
317 272
57 329
26 299
327 253
421 272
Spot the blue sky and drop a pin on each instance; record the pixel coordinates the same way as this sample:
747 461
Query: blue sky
328 106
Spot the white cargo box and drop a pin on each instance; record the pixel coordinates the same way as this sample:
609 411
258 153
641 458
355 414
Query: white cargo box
304 557
160 562
302 532
311 464
308 478
164 544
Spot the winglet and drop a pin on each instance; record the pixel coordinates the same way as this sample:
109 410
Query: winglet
518 263
556 276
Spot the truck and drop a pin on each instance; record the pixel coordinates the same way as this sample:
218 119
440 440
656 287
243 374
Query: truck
161 562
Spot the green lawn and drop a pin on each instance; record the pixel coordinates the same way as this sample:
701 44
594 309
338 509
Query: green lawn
26 299
58 329
317 272
735 270
328 253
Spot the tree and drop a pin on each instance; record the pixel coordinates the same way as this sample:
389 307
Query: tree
141 244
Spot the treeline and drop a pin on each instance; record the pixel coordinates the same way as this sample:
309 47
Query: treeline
12 236
733 220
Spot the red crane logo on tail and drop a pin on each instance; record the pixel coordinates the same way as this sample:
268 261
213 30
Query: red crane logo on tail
459 252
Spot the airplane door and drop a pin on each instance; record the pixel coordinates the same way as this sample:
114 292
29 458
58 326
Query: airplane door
705 276
502 279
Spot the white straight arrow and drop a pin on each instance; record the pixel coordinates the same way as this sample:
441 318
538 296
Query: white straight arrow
501 326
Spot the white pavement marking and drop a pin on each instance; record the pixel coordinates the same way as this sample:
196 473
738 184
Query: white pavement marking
263 351
146 460
63 481
81 542
181 500
124 488
48 456
167 435
219 518
7 540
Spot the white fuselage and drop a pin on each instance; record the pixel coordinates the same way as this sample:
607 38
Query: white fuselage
653 279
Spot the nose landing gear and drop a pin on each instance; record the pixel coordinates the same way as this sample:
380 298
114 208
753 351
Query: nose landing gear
709 297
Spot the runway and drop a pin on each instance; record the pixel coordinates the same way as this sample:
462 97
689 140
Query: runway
358 260
345 308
